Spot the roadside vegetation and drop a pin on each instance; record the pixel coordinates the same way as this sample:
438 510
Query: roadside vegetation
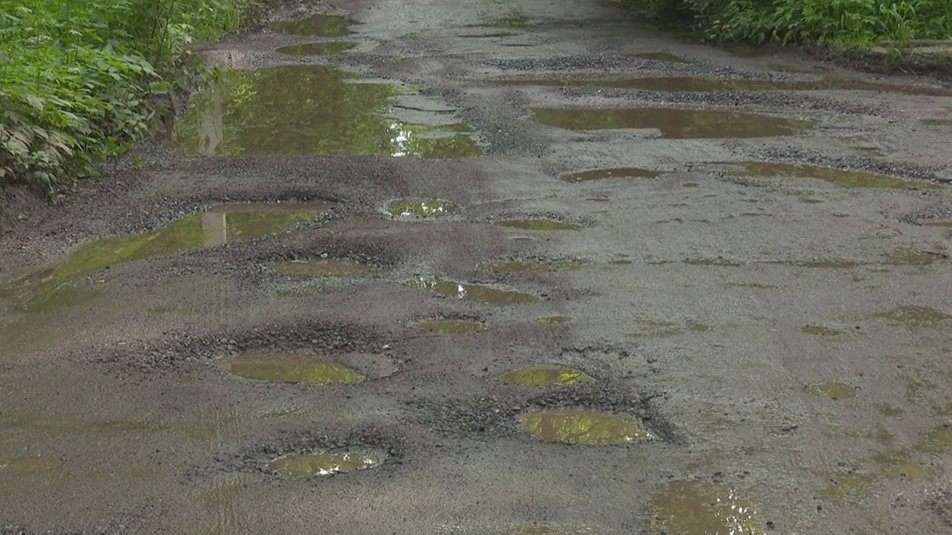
838 24
77 77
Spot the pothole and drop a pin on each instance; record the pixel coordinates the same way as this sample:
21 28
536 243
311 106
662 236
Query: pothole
546 377
320 268
29 465
316 49
420 208
602 174
672 122
538 224
475 292
583 427
289 368
912 257
699 508
452 326
322 464
832 390
529 266
553 320
318 25
846 179
915 316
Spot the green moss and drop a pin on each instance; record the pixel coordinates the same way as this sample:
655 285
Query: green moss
421 208
616 172
475 292
316 25
289 368
322 464
317 49
831 390
553 320
320 268
538 224
546 377
582 427
452 326
915 316
846 179
699 508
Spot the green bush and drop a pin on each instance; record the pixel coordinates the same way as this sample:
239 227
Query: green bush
75 77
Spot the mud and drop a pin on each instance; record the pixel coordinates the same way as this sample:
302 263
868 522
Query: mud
705 301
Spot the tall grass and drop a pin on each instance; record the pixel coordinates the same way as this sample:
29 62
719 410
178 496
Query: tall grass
75 76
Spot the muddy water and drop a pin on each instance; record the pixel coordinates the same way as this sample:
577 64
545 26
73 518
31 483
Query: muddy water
839 177
583 427
289 368
546 377
602 174
700 508
452 326
322 464
316 49
477 293
538 224
420 208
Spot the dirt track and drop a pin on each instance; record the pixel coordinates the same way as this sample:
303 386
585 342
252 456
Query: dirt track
713 308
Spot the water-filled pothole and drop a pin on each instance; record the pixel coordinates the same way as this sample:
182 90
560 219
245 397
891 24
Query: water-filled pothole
915 316
846 179
452 326
316 49
546 377
289 368
307 109
322 464
420 208
29 465
538 224
319 25
539 266
320 268
583 427
475 292
699 508
672 122
601 174
832 390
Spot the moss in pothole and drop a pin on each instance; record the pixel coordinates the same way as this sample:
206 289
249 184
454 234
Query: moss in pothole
538 224
838 177
474 292
616 172
583 427
316 49
541 266
321 464
289 368
698 508
421 208
320 268
915 316
318 25
29 465
912 257
819 330
553 320
832 390
452 326
672 122
546 377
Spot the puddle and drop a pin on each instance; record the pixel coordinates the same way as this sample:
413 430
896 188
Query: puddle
672 122
420 208
316 49
722 262
601 174
915 316
910 471
546 377
317 25
322 464
819 330
289 368
699 508
553 320
846 179
476 293
911 257
29 465
452 326
218 226
550 266
305 110
488 35
936 122
320 268
831 390
570 426
538 224
659 56
935 222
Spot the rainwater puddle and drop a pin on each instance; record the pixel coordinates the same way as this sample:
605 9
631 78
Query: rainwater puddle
686 84
488 35
322 464
553 320
289 368
912 257
309 109
546 377
582 427
936 122
549 266
831 390
29 465
601 174
660 56
318 25
452 326
672 122
915 316
420 208
819 330
700 508
219 225
320 268
846 179
538 224
316 49
476 293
